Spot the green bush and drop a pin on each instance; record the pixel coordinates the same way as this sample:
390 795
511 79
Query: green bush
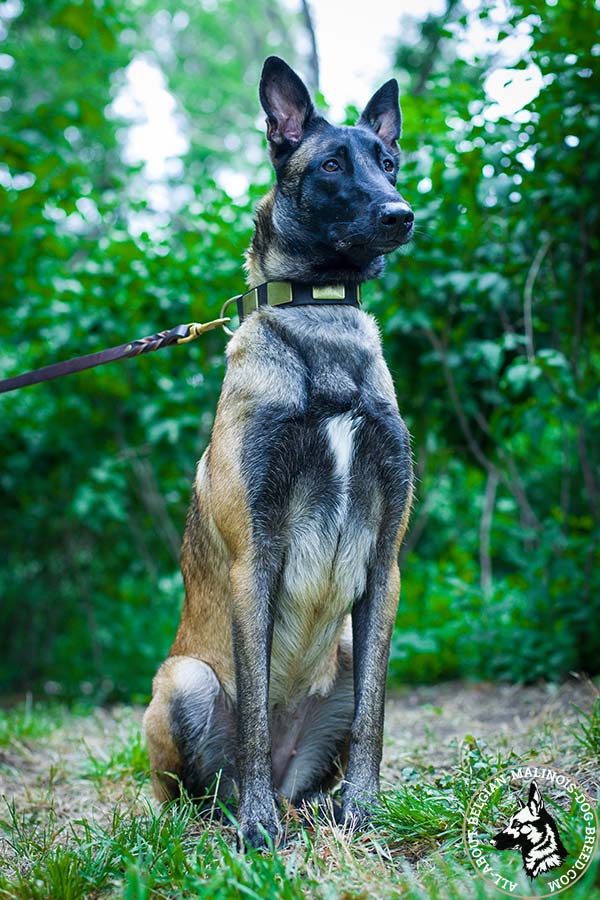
489 323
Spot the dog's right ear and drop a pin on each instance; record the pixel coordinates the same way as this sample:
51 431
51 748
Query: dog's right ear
286 101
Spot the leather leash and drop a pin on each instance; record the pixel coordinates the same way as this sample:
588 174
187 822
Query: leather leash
181 334
270 293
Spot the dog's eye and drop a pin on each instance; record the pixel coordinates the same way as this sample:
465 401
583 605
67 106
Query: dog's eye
388 165
331 165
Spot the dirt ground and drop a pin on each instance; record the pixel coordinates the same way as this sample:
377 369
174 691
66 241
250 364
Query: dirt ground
426 727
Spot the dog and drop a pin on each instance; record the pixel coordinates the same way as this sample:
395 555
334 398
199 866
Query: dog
533 831
275 682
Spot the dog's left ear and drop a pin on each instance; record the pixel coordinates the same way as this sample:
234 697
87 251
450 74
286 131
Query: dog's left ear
382 114
287 103
535 801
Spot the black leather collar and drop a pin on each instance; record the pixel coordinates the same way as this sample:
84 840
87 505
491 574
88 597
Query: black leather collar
297 293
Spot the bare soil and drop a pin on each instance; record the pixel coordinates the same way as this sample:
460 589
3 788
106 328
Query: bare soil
430 725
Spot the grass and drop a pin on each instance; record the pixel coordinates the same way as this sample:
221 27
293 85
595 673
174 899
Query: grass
29 721
123 759
78 821
587 734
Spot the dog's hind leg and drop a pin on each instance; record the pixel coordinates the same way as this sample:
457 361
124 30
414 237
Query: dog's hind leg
190 732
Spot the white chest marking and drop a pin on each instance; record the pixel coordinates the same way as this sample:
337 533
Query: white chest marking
340 431
325 569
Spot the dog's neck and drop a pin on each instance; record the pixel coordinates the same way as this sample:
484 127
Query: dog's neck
536 862
290 256
547 854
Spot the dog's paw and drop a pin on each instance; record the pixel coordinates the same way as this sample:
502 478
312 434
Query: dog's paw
356 811
259 827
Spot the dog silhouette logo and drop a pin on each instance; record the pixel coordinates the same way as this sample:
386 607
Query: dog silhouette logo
557 809
533 831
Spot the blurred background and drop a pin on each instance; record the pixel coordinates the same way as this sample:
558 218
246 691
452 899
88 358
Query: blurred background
132 156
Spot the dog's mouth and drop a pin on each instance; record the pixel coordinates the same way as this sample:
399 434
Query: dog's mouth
502 842
370 245
388 246
373 235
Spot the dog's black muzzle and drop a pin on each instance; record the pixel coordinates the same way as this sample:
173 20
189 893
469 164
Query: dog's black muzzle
385 225
396 222
502 841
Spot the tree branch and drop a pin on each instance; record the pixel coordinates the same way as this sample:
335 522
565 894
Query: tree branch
431 53
313 60
156 506
515 487
485 527
528 296
589 476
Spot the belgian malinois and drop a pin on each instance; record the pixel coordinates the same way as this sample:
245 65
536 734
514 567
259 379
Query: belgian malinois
274 686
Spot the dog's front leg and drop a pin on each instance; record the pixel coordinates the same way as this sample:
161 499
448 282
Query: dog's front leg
372 624
252 635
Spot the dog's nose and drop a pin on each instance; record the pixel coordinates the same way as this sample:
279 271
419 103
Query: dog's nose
397 217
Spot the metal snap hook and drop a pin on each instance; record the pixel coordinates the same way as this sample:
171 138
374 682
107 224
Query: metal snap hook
223 314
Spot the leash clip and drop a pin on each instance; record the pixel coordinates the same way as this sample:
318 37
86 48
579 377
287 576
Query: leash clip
223 312
195 329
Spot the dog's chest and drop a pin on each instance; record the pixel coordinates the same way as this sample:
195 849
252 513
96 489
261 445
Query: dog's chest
328 540
320 418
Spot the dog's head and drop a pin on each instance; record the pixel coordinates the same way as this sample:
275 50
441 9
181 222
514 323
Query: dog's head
526 828
336 195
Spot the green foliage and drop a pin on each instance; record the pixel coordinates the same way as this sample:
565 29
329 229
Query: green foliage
433 813
491 332
97 469
489 323
146 855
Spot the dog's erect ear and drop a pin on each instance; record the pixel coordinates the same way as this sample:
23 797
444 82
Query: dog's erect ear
286 101
536 801
382 114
